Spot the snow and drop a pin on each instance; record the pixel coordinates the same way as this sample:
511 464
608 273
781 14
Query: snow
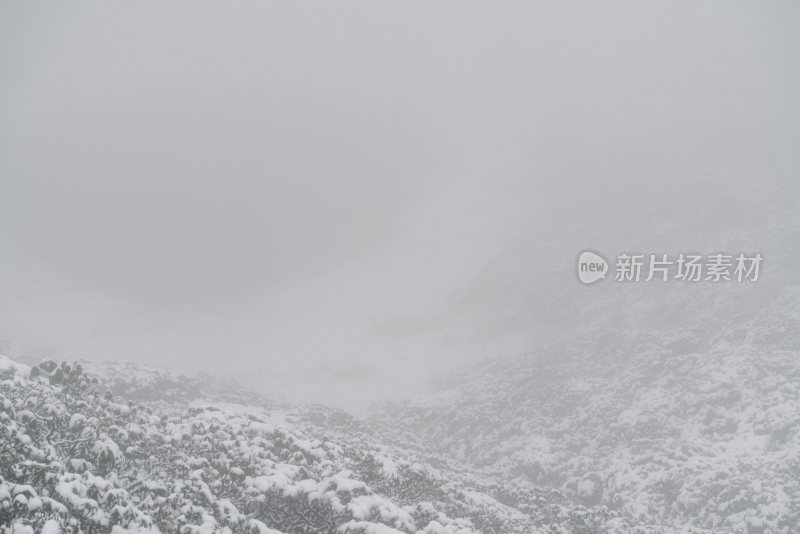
7 365
51 527
367 527
672 439
78 420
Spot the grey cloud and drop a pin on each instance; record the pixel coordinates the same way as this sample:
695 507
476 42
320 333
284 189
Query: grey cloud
268 190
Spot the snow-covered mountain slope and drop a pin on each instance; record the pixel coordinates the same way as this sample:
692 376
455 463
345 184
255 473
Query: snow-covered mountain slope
690 426
653 429
77 457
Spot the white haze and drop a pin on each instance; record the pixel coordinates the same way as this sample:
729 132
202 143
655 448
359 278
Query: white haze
331 201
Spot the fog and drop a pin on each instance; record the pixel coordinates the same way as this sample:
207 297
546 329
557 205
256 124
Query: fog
334 201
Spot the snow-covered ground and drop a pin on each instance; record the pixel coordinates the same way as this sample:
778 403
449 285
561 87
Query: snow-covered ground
683 429
78 457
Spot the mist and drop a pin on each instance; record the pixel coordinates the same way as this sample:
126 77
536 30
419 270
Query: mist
335 202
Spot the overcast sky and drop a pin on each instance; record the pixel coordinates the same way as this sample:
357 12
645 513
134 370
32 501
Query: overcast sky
334 199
